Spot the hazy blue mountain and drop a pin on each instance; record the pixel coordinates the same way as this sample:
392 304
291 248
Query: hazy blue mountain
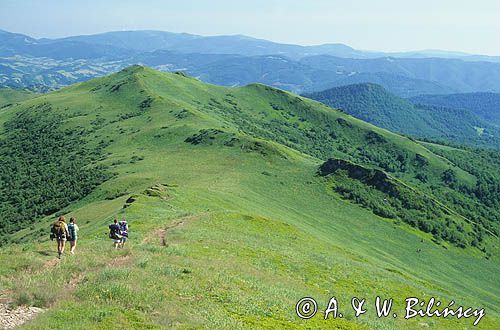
436 53
146 41
275 70
372 103
453 74
41 74
395 83
244 45
279 71
484 105
44 64
121 43
12 44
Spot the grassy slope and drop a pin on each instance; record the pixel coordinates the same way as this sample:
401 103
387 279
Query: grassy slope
250 244
9 96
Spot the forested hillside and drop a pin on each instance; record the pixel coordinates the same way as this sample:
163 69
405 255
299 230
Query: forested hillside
374 104
484 105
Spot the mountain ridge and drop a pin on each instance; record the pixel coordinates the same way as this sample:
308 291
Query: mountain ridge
336 49
292 126
228 214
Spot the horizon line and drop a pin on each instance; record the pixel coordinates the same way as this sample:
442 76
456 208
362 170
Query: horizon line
384 52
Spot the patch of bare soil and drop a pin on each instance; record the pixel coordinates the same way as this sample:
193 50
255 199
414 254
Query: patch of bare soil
161 234
120 261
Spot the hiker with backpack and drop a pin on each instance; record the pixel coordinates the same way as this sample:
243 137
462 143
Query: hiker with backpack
72 234
115 234
60 232
123 231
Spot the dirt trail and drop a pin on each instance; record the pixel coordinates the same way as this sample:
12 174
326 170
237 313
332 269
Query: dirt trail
74 281
14 317
120 261
49 264
161 234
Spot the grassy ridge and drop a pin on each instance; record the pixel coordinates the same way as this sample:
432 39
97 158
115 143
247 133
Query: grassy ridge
10 96
235 259
249 227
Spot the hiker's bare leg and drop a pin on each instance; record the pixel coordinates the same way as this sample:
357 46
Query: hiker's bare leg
60 248
73 246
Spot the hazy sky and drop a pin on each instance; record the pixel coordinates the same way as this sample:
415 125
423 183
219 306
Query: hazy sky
387 25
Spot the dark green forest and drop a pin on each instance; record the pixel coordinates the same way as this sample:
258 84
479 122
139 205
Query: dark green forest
484 105
43 167
441 122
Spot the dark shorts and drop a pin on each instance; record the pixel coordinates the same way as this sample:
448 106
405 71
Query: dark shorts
61 239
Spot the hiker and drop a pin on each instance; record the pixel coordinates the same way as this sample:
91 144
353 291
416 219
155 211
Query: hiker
114 233
73 234
123 231
60 233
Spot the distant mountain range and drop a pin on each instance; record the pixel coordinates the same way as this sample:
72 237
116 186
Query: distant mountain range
125 42
45 64
435 116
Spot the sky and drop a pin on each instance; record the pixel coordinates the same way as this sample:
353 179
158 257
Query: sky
382 25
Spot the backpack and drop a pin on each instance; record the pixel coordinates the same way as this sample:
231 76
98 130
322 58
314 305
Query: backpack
114 232
123 228
58 229
71 232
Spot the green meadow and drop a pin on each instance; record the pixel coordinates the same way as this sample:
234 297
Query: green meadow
10 96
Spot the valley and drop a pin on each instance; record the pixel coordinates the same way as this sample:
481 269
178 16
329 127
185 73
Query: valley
47 64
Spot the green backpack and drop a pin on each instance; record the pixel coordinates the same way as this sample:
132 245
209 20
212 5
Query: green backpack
71 232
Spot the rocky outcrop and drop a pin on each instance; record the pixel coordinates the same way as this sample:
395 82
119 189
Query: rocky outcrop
373 177
14 317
